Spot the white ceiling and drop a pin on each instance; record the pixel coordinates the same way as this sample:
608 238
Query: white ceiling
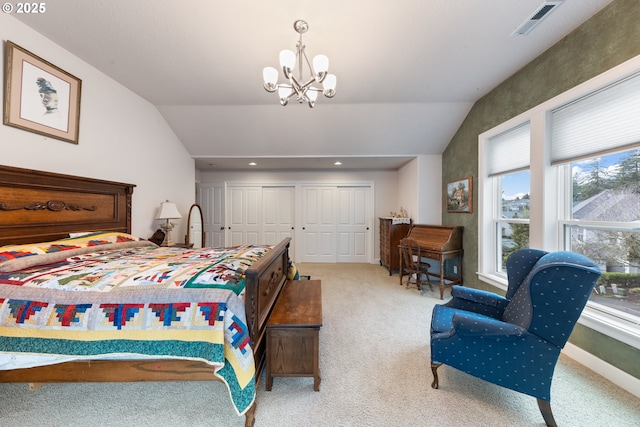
408 71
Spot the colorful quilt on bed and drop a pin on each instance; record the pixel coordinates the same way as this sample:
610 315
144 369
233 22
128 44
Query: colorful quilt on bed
152 301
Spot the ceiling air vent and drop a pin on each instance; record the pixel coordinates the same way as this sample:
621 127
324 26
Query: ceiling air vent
542 12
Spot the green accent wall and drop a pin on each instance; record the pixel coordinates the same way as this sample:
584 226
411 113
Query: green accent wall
606 40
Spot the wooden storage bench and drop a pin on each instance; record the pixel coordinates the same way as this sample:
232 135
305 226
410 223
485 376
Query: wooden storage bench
293 333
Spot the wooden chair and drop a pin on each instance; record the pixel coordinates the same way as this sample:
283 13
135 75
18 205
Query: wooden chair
412 264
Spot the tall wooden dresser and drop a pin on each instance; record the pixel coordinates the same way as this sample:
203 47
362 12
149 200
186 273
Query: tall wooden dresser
392 230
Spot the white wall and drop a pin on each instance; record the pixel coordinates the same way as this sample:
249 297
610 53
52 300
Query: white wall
420 189
408 189
122 138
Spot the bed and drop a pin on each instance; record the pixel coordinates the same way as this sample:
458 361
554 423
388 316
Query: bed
190 338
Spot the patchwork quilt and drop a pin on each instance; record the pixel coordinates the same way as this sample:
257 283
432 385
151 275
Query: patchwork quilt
140 300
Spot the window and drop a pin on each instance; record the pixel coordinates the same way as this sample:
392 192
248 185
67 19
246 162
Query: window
579 191
603 224
513 224
508 169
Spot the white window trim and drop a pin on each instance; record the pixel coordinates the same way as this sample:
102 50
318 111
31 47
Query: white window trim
544 225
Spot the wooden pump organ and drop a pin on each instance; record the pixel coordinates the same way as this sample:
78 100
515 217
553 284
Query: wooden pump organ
442 244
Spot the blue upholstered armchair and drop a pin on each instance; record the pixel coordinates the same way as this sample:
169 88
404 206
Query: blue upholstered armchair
515 341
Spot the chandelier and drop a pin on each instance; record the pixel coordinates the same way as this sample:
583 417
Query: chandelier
304 91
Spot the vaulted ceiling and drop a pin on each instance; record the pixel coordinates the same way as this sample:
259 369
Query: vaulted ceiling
408 71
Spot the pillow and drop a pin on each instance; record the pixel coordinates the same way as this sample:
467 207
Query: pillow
293 273
17 257
81 234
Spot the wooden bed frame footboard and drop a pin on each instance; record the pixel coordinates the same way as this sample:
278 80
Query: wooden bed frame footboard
38 206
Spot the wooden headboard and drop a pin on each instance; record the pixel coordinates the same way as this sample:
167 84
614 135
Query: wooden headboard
38 206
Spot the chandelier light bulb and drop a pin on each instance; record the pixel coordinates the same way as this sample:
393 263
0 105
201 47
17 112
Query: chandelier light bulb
320 64
300 85
284 92
270 76
329 85
287 59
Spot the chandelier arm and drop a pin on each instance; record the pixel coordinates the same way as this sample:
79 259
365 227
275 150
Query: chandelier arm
318 77
308 84
296 86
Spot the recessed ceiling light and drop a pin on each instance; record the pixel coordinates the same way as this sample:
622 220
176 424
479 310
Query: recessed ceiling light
253 164
337 163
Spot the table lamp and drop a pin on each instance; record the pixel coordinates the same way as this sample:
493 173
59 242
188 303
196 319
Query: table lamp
168 210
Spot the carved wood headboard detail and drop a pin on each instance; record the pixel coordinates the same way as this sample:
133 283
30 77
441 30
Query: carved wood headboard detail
38 206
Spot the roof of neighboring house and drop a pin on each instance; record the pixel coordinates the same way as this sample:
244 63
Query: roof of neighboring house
609 205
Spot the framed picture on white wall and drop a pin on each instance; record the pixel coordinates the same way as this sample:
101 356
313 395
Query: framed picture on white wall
40 97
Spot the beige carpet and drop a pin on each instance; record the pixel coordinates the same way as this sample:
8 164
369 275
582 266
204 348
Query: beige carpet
374 362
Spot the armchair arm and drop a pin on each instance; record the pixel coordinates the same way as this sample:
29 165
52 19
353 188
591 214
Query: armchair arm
478 301
471 324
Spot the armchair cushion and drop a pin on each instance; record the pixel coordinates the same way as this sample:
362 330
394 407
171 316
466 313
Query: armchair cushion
470 324
447 321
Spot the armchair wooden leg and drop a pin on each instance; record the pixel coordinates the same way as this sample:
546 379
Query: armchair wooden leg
434 367
545 410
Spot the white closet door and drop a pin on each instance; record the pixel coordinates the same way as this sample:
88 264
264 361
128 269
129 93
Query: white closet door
211 200
278 215
353 225
319 224
244 215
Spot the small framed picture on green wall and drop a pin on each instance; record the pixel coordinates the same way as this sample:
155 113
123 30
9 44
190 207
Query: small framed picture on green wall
460 195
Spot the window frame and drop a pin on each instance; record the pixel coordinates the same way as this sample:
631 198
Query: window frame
548 212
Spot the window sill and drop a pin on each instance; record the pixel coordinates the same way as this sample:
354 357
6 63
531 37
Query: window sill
499 281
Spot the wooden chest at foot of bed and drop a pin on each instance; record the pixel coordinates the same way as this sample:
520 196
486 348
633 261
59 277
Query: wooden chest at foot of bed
293 333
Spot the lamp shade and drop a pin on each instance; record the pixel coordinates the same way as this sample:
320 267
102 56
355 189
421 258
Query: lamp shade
320 64
168 210
330 82
284 92
270 75
287 59
329 86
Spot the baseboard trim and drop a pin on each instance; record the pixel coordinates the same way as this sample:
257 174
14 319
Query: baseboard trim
599 366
